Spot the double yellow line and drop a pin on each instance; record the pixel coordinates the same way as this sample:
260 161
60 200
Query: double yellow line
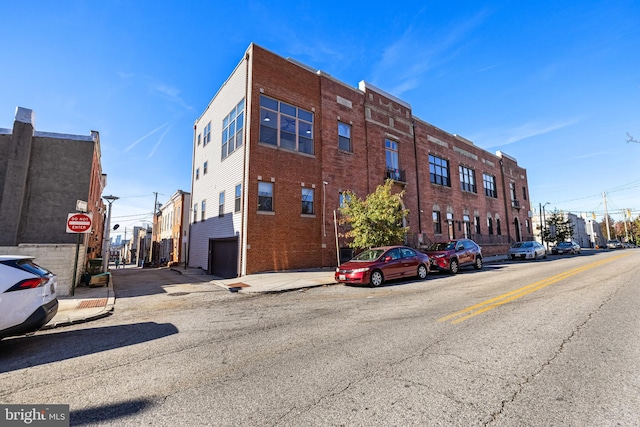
474 310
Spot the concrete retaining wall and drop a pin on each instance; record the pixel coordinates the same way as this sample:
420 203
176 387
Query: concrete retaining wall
57 258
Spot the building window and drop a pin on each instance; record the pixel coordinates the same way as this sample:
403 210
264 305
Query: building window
498 228
203 210
204 168
528 225
391 150
344 137
477 220
437 223
232 126
285 126
307 201
195 213
238 196
439 171
198 173
207 134
524 193
344 199
512 190
265 196
221 204
467 179
489 185
490 225
199 138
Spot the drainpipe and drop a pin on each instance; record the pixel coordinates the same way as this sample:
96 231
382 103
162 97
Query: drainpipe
415 153
504 196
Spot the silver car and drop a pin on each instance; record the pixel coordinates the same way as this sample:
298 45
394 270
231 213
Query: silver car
527 250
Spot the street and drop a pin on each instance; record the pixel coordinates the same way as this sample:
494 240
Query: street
525 343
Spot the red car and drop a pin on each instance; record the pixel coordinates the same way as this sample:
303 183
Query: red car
375 265
451 255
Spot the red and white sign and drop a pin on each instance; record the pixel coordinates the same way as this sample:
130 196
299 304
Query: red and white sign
79 222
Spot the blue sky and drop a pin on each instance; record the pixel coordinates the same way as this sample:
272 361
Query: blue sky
554 84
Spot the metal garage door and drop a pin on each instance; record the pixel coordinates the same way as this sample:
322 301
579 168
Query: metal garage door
223 257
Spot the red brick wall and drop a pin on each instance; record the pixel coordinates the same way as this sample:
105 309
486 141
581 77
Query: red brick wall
287 240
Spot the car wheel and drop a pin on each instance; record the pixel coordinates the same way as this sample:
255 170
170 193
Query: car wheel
545 255
535 255
478 264
513 257
376 278
453 266
422 272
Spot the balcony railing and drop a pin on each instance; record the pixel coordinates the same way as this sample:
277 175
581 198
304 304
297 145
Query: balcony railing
396 175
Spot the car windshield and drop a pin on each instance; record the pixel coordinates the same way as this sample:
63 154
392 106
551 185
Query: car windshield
442 246
516 245
369 255
564 244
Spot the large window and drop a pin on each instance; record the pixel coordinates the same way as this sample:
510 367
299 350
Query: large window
307 201
344 199
203 210
437 223
221 204
265 196
207 134
232 126
344 137
391 148
237 198
439 171
205 168
285 126
490 225
467 179
489 182
195 212
498 227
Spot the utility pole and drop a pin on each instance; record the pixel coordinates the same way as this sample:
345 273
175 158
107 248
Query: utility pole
626 232
606 216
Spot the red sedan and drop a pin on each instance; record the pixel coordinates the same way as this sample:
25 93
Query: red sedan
374 266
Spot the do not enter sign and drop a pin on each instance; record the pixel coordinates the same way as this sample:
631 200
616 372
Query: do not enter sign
79 223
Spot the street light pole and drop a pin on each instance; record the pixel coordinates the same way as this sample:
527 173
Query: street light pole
107 238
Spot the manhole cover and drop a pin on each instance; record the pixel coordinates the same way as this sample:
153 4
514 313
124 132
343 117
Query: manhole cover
178 294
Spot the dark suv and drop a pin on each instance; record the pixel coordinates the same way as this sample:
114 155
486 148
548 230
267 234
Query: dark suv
453 254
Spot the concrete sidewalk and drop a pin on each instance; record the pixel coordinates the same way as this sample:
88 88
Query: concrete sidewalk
87 303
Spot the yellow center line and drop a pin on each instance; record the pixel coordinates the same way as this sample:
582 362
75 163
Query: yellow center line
474 310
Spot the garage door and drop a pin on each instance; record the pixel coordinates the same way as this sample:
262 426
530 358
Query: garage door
223 257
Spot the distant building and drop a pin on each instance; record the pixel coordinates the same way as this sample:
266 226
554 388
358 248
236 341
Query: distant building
170 229
42 176
280 143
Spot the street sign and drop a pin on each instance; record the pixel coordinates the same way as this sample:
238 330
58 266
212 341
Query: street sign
79 223
81 205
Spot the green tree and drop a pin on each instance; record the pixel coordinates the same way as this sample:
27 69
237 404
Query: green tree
559 228
376 220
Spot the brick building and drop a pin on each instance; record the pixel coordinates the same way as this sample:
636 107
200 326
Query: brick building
280 142
42 176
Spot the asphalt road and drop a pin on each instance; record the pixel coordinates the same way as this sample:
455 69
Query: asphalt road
539 343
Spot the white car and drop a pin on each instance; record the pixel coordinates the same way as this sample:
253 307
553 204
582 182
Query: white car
527 250
28 298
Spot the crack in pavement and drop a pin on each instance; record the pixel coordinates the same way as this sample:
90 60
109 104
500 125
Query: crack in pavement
554 356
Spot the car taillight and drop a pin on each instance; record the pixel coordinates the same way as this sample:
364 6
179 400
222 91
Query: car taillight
28 284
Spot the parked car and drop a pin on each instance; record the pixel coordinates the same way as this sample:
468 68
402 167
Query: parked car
375 265
527 250
28 298
449 256
566 248
614 244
